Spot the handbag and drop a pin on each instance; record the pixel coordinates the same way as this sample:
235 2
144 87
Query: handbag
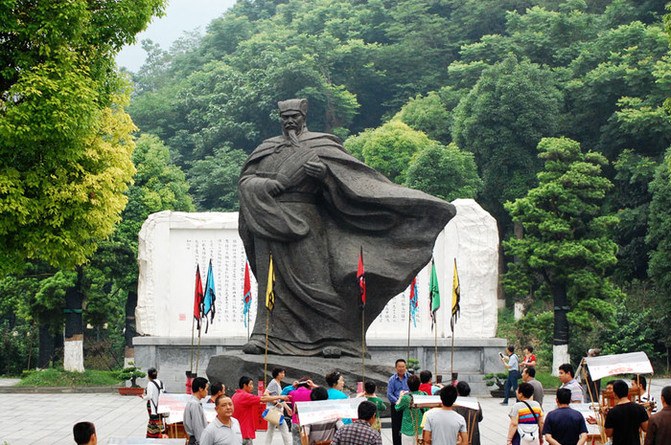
529 431
273 416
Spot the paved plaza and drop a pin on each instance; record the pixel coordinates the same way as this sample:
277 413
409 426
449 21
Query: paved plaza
44 419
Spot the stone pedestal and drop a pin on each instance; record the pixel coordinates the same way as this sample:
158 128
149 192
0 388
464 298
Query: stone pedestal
473 358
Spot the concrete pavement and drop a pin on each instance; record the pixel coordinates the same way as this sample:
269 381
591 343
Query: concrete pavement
44 419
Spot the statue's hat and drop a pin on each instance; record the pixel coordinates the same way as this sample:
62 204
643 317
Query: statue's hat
300 105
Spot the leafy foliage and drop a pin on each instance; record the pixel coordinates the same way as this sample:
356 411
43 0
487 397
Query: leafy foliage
444 172
389 148
65 139
566 249
501 120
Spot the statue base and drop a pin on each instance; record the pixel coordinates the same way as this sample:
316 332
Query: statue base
228 368
473 358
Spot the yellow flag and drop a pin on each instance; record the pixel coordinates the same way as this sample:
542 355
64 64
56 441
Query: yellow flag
270 291
455 297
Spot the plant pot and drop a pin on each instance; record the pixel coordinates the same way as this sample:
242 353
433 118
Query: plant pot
130 391
497 393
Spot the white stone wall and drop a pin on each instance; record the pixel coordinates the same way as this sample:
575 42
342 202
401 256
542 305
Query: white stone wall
172 243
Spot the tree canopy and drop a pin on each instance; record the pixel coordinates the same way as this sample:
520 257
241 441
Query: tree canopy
65 139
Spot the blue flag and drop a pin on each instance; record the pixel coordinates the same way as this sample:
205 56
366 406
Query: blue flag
210 297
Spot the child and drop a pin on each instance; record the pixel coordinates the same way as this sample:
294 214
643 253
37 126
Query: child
369 393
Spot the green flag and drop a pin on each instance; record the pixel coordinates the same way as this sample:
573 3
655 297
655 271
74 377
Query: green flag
434 294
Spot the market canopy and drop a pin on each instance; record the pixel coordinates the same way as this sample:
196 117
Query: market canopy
617 364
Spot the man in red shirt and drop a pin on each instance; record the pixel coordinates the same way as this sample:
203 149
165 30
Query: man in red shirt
245 405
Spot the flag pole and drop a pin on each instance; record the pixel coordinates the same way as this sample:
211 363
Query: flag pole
193 324
435 343
270 304
361 281
198 354
409 317
265 361
363 346
452 355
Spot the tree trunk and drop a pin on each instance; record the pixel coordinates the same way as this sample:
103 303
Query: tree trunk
46 348
73 351
130 332
561 328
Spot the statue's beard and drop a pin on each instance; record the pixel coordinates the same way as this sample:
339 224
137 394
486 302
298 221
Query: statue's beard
292 135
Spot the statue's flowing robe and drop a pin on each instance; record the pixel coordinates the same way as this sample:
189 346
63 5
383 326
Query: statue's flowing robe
315 230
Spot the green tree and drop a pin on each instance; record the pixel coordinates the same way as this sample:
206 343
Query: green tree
430 114
445 172
64 137
214 180
501 120
659 244
630 198
389 148
566 250
113 272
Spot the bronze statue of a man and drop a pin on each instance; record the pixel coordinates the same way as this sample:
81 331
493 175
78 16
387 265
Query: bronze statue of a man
311 204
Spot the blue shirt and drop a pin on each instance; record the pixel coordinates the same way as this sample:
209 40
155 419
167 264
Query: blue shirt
395 386
336 394
513 362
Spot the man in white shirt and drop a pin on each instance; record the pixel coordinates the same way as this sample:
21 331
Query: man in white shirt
444 426
224 429
641 385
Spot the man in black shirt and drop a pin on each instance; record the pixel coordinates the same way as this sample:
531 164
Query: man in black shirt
564 425
625 419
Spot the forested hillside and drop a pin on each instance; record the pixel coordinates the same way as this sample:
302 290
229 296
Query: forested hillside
454 97
550 114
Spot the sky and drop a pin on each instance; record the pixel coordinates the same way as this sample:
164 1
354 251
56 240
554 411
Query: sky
180 16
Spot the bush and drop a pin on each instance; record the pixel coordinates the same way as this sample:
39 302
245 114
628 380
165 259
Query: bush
59 377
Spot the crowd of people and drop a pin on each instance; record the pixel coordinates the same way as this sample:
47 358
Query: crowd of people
624 421
235 419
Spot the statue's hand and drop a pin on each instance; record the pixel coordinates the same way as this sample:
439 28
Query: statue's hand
315 169
274 187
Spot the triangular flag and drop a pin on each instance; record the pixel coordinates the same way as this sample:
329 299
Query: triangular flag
361 279
455 297
198 298
270 288
248 294
434 294
210 297
414 301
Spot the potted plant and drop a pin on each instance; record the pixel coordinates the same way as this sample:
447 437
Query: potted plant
412 365
497 381
131 373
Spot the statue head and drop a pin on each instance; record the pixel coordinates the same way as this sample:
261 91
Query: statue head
293 113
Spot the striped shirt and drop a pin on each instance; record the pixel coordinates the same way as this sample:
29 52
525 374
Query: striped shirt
523 414
576 390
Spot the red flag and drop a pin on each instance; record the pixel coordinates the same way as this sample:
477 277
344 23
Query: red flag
247 295
361 278
198 298
414 301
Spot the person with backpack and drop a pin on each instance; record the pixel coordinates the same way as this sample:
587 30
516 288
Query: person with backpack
526 418
155 427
